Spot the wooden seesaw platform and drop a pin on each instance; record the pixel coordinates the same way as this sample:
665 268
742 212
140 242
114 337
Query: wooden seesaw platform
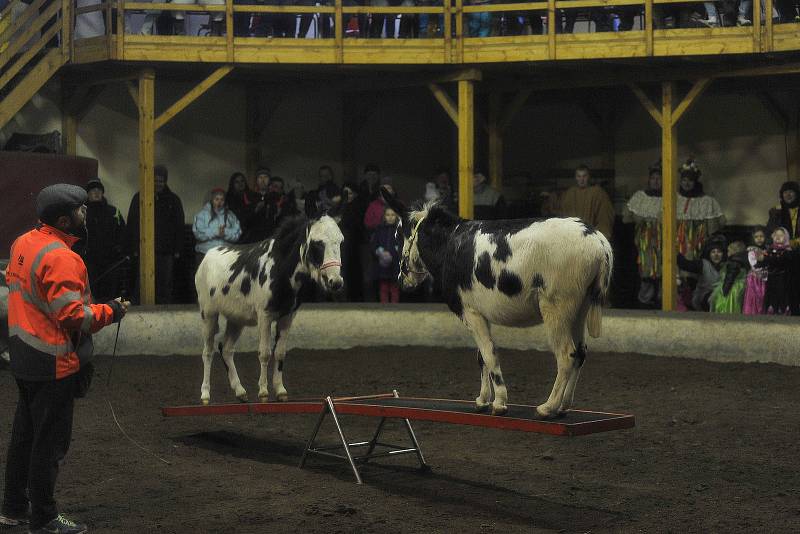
392 406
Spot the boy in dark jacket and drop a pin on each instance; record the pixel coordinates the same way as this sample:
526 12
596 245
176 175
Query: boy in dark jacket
106 234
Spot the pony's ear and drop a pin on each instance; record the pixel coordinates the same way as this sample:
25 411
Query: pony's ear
335 213
311 208
393 202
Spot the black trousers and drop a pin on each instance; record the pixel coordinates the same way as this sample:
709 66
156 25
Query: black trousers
39 442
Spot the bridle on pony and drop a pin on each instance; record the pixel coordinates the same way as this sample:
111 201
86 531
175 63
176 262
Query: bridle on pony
411 240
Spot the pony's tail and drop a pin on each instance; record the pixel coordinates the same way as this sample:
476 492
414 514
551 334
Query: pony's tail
598 291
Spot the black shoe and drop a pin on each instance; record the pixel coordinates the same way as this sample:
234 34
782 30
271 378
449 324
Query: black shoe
14 520
61 525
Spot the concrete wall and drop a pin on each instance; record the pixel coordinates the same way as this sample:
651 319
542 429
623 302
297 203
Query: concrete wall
739 146
177 330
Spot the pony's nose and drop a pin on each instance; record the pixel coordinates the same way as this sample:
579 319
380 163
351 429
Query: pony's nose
336 284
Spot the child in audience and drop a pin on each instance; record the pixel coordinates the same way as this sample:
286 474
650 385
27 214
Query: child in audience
387 245
756 283
728 293
707 269
777 298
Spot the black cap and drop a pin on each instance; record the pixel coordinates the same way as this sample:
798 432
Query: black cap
161 170
95 183
60 199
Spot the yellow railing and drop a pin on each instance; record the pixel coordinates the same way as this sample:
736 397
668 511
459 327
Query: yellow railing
453 43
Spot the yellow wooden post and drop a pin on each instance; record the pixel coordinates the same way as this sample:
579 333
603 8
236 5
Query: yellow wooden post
757 27
551 29
338 30
120 30
69 122
769 45
466 147
648 27
147 260
459 13
66 28
495 141
229 30
447 30
669 159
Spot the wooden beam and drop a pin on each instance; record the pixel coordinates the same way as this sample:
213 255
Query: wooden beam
448 31
769 45
513 108
192 95
69 132
466 147
669 240
648 28
648 104
690 98
121 30
459 16
495 141
68 19
133 90
472 74
446 102
338 30
147 258
756 27
551 29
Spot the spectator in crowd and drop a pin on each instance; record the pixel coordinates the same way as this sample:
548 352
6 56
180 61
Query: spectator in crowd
478 24
780 295
488 203
431 193
429 25
757 277
387 244
214 225
728 293
374 216
272 206
644 208
707 269
370 182
240 199
444 186
789 10
584 200
169 221
352 226
699 215
106 238
785 214
745 10
327 189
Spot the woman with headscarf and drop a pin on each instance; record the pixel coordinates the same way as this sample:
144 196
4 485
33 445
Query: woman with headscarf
644 207
239 198
785 213
699 215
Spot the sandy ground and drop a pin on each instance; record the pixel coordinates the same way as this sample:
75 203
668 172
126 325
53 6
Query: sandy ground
714 450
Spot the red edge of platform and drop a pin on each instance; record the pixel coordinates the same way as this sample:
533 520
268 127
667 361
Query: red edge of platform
611 421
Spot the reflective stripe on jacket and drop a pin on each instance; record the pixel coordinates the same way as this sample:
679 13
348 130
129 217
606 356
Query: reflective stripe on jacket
50 314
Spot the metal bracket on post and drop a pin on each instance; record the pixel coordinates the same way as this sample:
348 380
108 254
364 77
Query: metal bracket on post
329 407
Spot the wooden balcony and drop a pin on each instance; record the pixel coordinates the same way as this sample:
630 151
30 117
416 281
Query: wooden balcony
455 47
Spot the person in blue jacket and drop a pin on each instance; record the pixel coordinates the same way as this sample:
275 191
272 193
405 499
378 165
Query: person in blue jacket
215 225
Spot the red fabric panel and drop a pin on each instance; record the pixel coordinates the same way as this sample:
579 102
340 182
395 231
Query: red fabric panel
22 176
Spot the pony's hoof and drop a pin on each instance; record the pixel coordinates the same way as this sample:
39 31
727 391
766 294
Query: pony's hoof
263 398
242 397
546 412
481 407
205 401
499 410
283 397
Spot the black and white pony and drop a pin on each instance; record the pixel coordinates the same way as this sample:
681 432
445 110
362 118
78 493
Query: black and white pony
512 273
263 283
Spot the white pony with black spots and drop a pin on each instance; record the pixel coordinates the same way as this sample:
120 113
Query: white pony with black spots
518 273
264 283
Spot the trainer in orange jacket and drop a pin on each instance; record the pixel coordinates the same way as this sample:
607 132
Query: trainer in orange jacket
51 318
50 314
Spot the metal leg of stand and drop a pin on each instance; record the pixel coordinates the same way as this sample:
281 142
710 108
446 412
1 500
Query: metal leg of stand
313 437
344 440
422 464
374 439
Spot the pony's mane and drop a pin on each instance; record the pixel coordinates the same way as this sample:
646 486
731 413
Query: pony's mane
289 231
421 209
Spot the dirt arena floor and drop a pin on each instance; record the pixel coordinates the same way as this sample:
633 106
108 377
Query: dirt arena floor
715 449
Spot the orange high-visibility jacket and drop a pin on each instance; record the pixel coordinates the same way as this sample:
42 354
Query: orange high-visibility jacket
50 314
